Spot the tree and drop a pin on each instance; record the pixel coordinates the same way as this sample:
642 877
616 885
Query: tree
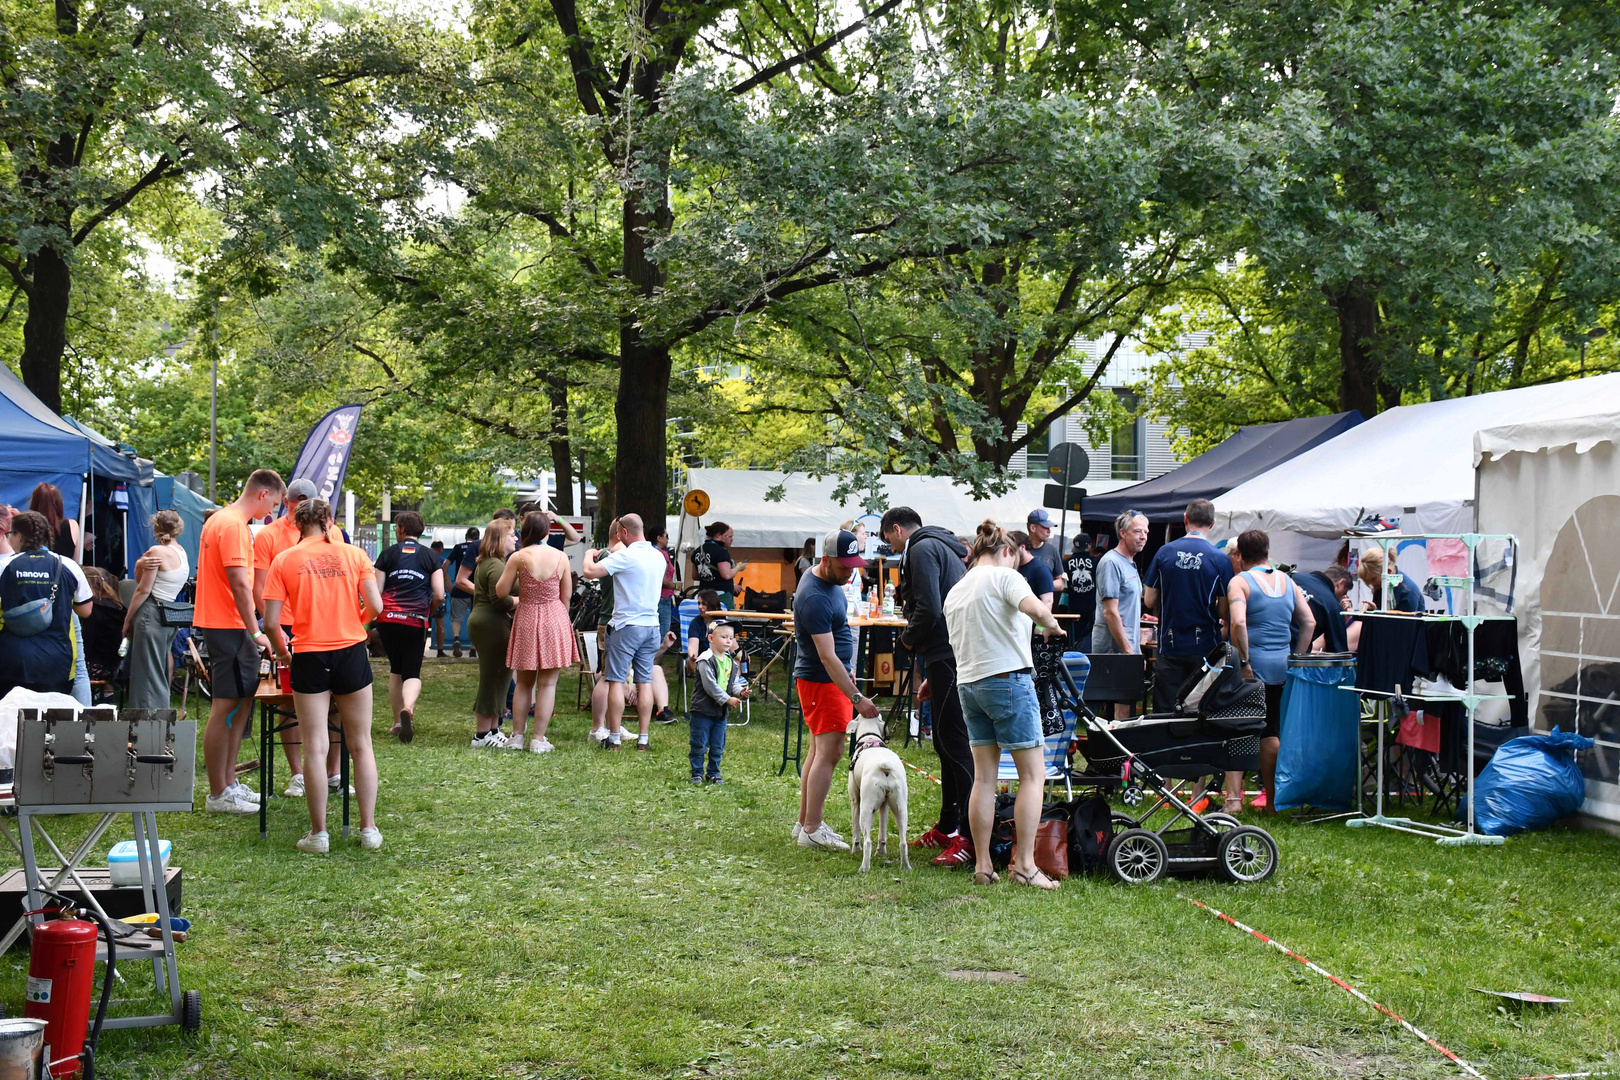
104 104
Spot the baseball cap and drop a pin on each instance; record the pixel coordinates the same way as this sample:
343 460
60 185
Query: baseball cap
1039 517
301 489
842 547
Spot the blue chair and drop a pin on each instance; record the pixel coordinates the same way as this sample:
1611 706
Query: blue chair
1059 766
685 612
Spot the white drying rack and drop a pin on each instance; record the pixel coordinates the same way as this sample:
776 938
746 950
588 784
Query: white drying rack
1470 619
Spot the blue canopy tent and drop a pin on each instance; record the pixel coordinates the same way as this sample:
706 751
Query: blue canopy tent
109 461
1248 453
37 446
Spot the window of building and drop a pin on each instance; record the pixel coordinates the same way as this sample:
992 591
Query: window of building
1127 440
1035 454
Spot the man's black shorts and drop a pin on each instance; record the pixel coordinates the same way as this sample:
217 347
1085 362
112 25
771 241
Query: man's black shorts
341 671
233 663
404 646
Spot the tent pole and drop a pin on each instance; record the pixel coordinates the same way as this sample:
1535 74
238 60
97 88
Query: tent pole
84 499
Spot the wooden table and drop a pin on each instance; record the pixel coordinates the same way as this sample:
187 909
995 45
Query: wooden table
273 703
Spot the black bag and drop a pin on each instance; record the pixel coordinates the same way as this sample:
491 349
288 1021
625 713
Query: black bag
1003 831
172 613
770 602
1091 830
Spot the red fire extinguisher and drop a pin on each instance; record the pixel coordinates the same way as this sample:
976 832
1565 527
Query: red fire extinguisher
61 974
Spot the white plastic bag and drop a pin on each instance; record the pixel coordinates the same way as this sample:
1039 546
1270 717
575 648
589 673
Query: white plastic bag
24 698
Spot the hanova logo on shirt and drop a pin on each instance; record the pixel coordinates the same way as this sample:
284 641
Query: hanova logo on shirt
1189 560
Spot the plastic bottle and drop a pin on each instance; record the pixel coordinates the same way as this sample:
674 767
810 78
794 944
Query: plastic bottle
888 601
123 647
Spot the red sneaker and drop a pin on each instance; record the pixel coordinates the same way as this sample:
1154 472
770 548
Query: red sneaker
1258 802
1201 805
958 852
933 838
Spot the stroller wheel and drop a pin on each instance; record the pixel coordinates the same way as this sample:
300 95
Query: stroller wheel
1223 821
1138 857
1247 854
1121 822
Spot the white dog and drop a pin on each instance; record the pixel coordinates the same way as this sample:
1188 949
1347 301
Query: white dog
877 781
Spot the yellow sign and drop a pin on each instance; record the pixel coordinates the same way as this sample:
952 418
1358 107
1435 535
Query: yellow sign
696 502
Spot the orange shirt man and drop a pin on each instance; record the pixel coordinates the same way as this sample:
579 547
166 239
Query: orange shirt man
225 619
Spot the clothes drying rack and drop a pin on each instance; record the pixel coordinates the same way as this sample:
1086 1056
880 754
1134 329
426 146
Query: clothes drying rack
1468 835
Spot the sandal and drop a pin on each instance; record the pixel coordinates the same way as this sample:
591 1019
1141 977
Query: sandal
1037 880
986 878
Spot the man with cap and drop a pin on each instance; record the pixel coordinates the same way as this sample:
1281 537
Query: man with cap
824 680
1046 548
272 540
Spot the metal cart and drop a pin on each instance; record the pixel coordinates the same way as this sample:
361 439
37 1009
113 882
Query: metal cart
108 763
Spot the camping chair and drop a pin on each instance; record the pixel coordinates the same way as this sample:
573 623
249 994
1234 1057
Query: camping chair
585 646
685 612
1059 766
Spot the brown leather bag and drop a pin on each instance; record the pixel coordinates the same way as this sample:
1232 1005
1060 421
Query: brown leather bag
1052 848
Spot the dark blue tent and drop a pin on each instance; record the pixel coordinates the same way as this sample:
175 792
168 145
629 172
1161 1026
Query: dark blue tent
170 494
1248 453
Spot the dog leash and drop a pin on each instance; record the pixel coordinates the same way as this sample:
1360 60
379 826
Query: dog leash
1346 987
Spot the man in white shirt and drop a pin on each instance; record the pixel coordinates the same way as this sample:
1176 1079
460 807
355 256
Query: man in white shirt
638 577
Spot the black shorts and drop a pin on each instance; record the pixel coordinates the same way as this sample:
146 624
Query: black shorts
1273 711
404 646
341 671
233 663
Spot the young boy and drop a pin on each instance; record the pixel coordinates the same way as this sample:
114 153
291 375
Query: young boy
720 688
697 631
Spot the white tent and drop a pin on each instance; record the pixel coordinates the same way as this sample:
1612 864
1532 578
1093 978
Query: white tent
1415 462
1552 477
807 509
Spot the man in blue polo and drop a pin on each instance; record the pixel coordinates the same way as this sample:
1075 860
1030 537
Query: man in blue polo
1186 583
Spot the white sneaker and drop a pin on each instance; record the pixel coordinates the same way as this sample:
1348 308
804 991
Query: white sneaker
227 802
823 838
490 738
599 734
798 831
335 783
540 746
315 843
245 793
295 787
371 839
515 742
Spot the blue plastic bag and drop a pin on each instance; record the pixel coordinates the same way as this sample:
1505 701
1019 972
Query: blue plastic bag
1531 782
1316 758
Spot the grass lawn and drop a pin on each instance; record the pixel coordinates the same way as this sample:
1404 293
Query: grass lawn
590 915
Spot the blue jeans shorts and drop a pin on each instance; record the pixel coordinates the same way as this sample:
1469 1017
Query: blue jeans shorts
1001 711
631 647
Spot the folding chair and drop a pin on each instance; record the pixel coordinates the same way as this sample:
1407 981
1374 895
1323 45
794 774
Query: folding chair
1113 677
1055 754
585 645
685 612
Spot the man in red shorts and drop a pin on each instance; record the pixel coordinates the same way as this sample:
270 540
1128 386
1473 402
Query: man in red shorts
824 680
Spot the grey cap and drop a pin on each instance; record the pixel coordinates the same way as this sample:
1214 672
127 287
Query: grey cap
300 489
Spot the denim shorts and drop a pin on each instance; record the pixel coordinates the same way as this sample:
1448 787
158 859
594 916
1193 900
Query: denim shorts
631 647
1001 711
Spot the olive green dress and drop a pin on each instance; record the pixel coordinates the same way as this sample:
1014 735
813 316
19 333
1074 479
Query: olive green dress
489 625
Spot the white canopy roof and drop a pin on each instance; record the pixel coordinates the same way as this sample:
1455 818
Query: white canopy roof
1415 462
1592 418
737 497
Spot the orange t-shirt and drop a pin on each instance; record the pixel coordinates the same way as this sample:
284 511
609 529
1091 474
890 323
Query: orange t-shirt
280 535
318 583
226 541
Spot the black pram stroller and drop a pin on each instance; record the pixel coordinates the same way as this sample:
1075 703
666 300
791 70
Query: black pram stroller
1218 729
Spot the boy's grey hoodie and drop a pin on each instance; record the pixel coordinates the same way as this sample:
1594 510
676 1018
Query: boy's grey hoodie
711 699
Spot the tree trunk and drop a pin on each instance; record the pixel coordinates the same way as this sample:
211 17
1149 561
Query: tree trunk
1359 365
562 454
640 480
45 332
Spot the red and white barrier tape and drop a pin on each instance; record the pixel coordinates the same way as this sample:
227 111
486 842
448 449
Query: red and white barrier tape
914 768
1342 985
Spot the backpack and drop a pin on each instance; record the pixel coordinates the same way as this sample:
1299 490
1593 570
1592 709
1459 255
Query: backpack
1091 830
33 616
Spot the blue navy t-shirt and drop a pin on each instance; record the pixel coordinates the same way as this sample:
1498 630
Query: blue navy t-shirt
1191 575
1038 575
1406 596
819 608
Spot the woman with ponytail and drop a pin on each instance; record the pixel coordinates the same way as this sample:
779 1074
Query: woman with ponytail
989 615
328 592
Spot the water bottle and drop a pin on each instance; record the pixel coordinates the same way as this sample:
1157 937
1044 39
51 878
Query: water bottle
123 648
888 602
